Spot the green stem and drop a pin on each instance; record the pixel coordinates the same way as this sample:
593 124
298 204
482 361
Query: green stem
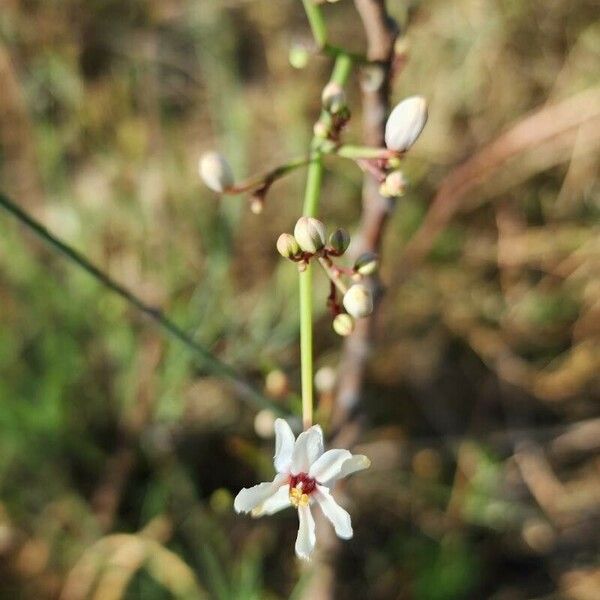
341 71
311 202
270 177
215 365
316 22
365 152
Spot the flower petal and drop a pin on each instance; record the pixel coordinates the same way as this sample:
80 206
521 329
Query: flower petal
357 462
308 447
278 501
329 465
249 498
284 446
339 518
305 542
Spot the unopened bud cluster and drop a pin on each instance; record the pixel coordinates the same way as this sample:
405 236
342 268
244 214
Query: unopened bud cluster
335 114
309 241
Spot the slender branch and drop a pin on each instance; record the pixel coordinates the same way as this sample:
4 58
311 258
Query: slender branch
333 275
364 152
216 366
265 180
335 51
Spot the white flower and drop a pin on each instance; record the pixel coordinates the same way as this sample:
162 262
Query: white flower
305 475
405 123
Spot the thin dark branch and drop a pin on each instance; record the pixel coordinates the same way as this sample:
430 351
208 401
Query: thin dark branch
212 363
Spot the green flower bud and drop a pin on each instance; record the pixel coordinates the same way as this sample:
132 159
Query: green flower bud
394 185
405 123
333 98
358 301
310 234
339 241
298 56
321 130
287 246
367 263
215 171
343 324
394 163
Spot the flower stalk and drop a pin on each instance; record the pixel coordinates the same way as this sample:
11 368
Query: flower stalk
314 180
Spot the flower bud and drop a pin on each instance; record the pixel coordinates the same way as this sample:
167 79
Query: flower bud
276 383
343 324
264 423
339 241
325 379
367 263
394 185
298 56
310 234
333 98
321 130
257 205
215 171
393 163
287 245
358 301
405 123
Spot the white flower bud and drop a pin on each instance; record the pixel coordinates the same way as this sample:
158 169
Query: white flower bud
321 130
325 379
343 324
394 185
287 245
358 301
310 234
405 123
257 205
367 263
276 383
264 422
333 98
215 171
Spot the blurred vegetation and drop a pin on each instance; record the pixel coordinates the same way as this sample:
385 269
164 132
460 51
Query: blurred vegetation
119 452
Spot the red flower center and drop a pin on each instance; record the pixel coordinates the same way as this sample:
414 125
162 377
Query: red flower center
303 482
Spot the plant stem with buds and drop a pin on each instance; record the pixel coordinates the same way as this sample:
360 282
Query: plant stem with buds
341 70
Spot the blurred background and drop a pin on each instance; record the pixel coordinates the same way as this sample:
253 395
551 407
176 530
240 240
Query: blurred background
120 452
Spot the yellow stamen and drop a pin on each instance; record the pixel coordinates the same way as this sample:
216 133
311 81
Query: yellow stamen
297 498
